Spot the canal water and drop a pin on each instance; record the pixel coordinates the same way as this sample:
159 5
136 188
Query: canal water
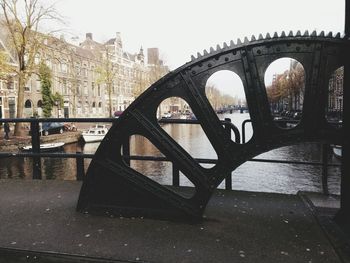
251 176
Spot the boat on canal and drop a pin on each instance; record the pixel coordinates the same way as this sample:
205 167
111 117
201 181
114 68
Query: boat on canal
95 133
45 147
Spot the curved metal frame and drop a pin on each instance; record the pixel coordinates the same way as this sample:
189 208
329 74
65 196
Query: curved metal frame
111 186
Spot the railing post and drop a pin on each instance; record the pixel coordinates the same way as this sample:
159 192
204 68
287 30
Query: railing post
34 127
228 178
80 166
243 129
176 176
325 151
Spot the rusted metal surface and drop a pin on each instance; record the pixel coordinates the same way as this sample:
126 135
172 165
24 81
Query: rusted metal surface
112 186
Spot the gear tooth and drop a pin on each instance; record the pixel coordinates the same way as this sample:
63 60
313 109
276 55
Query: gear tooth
290 34
205 52
232 43
199 55
211 50
239 42
192 57
298 34
330 34
253 38
314 33
275 35
246 40
268 36
225 45
306 33
218 48
337 35
321 34
261 37
283 34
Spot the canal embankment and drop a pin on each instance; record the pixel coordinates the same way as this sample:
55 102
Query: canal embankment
17 142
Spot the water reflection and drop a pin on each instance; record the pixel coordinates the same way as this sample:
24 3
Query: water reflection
15 168
252 176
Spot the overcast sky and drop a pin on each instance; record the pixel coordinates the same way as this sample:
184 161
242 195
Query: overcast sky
181 28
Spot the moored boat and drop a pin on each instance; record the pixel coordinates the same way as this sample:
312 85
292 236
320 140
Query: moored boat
95 134
45 147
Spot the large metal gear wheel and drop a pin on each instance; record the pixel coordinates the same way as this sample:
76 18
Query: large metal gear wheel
111 186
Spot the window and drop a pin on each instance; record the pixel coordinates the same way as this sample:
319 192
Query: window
28 104
37 85
37 60
64 68
87 106
92 72
10 85
79 107
64 87
93 91
77 70
85 88
48 63
79 89
84 72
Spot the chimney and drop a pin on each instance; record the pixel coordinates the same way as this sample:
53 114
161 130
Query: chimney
89 36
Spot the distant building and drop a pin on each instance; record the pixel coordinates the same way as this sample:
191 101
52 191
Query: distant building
153 56
335 91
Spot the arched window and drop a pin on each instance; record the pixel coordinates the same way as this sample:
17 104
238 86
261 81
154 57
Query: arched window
39 104
28 104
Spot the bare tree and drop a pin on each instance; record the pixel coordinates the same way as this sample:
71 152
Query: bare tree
108 71
213 95
22 20
141 81
217 99
70 64
5 66
287 90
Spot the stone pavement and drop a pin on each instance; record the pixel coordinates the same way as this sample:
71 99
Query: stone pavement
38 223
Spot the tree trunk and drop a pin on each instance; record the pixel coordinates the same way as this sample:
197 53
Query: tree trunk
20 104
110 99
74 104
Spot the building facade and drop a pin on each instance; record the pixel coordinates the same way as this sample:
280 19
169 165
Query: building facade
95 79
335 92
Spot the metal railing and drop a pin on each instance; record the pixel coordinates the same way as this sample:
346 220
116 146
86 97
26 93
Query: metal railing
36 154
229 127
